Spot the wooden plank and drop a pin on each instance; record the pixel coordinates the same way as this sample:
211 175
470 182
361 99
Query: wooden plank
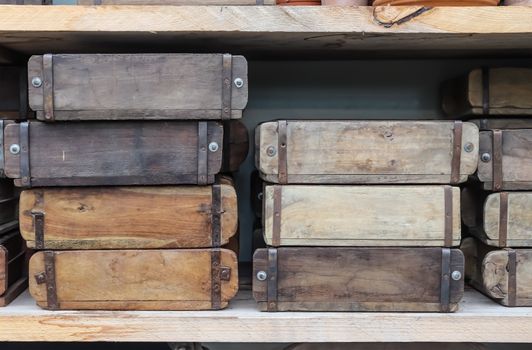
134 279
361 215
127 217
103 153
435 2
365 151
336 279
177 2
516 159
506 123
139 86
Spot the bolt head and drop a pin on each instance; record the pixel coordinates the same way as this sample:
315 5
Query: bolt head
469 147
36 82
14 149
239 83
213 146
456 275
271 151
262 275
485 157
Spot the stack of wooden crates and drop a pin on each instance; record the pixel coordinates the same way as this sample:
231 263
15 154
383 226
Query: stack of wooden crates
105 125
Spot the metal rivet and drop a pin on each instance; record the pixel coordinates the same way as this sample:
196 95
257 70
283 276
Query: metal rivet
36 82
485 157
271 151
239 82
262 275
213 147
469 147
456 275
14 148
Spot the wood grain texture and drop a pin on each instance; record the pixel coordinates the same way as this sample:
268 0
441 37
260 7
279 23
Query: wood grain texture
103 153
365 151
516 159
127 217
138 86
177 2
134 279
358 279
361 215
435 2
13 93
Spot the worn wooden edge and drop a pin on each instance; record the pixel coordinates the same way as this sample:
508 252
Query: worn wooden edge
13 291
4 254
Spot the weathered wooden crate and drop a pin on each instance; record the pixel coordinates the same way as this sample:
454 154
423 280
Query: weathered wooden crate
160 279
13 93
303 215
13 274
129 217
489 91
366 151
358 279
111 153
137 86
503 274
505 161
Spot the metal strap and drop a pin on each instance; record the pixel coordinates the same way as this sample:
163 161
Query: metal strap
485 91
448 228
503 219
512 277
48 86
483 124
277 201
445 291
272 280
216 288
202 153
51 289
216 218
457 152
227 77
497 160
282 146
24 139
38 227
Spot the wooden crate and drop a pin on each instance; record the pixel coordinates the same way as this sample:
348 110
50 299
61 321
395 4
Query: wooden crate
8 201
137 86
160 279
489 91
13 273
13 93
358 279
314 215
366 151
502 274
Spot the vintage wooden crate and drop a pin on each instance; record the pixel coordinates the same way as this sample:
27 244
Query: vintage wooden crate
303 215
503 274
106 153
159 279
137 86
505 161
13 93
366 151
129 217
489 91
502 123
502 219
358 279
13 275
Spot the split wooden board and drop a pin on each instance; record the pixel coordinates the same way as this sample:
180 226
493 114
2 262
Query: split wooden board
303 215
503 274
358 279
127 217
162 279
366 151
13 276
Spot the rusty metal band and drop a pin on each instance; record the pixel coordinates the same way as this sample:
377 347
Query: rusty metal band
51 289
503 219
272 280
202 153
512 277
448 226
48 86
38 227
276 229
457 152
216 217
497 160
24 140
282 146
227 77
216 287
485 91
483 124
445 287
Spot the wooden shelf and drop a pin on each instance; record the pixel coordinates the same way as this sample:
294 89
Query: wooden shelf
479 320
269 31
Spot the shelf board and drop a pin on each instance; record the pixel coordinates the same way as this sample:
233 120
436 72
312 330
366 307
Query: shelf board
269 31
479 320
